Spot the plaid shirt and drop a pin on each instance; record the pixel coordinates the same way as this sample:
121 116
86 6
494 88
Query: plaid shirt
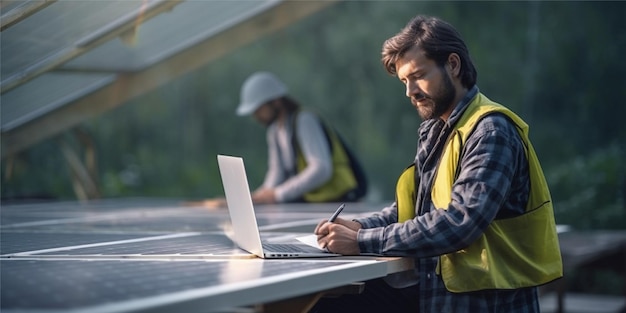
493 183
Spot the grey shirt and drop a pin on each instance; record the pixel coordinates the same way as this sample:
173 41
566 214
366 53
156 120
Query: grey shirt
281 174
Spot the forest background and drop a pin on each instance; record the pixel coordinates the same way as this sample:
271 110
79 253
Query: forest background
558 64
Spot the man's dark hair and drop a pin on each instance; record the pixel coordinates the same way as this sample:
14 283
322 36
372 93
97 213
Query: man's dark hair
437 38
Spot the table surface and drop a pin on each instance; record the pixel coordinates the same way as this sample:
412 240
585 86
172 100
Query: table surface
160 255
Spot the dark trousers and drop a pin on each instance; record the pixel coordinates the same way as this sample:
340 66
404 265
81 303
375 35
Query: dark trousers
377 297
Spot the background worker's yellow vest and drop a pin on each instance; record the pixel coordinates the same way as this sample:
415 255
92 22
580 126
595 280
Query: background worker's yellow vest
342 180
515 252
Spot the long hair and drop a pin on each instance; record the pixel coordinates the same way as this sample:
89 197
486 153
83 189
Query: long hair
289 104
437 38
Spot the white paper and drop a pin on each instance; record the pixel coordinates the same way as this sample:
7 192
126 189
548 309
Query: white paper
310 240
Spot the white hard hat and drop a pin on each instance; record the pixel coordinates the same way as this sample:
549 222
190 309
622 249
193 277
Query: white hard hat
258 89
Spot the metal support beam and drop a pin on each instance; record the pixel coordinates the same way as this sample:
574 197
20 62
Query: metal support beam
121 28
84 172
130 85
21 12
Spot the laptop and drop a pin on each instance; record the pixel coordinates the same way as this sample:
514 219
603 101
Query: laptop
244 224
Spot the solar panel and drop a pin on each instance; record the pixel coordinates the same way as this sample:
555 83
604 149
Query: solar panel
121 255
84 284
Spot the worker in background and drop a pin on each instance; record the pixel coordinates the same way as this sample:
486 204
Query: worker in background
308 161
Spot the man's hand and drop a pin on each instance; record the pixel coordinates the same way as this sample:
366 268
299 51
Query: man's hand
264 196
213 203
338 237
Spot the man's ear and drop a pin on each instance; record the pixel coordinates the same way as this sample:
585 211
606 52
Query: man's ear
454 65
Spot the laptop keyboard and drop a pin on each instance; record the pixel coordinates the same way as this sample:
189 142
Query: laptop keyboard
283 247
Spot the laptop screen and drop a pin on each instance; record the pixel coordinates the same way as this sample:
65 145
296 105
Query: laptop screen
239 200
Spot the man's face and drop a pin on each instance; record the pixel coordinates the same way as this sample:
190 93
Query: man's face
427 85
266 114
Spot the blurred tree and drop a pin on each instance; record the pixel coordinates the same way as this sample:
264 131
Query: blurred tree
558 64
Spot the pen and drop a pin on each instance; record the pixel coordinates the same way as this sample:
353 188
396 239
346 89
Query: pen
339 209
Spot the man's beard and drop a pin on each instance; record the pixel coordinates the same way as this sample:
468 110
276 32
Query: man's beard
439 103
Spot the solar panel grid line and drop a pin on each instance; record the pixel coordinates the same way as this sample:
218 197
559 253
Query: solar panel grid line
102 244
236 254
93 217
23 241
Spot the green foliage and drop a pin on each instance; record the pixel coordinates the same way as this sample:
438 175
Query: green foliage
556 63
589 192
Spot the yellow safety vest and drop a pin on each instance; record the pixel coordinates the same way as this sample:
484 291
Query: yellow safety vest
515 252
342 180
406 194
